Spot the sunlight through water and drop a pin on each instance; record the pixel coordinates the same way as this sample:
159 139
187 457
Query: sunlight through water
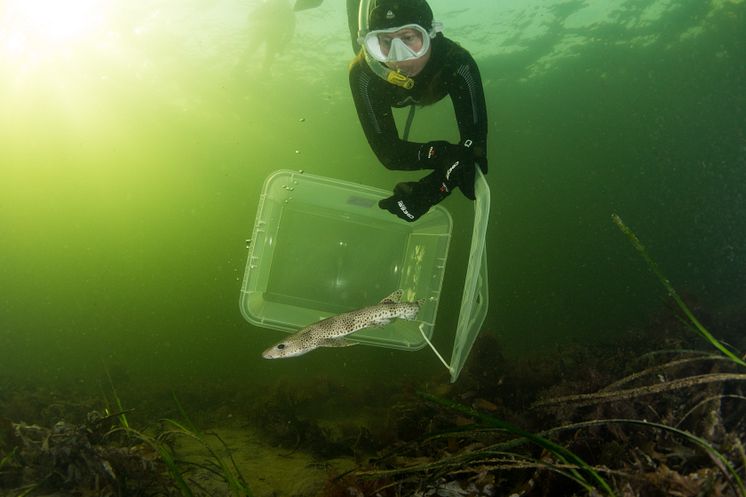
35 32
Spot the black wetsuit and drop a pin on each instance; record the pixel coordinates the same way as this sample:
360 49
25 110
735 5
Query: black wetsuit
452 71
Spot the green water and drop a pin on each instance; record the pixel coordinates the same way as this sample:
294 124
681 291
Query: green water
132 154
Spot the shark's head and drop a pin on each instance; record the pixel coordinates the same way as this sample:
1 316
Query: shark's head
286 348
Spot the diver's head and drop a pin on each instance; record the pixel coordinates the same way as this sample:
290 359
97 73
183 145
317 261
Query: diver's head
387 14
399 33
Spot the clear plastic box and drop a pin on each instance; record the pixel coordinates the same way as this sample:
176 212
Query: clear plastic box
322 246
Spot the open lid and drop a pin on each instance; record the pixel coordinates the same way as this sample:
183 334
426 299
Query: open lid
474 300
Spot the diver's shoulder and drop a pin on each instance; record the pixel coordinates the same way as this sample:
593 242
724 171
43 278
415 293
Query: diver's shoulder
362 78
358 65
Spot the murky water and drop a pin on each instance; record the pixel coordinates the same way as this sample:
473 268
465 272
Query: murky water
135 136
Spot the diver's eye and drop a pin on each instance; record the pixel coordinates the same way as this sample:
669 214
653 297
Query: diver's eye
281 346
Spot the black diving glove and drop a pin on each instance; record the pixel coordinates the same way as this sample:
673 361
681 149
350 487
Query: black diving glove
413 199
455 164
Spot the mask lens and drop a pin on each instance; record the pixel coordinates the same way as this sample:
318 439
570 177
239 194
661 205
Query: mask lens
397 44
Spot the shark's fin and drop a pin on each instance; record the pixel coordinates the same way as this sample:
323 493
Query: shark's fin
394 298
381 322
336 342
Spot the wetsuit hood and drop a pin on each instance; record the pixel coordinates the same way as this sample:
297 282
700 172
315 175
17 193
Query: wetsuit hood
385 14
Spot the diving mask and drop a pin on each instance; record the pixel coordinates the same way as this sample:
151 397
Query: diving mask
398 44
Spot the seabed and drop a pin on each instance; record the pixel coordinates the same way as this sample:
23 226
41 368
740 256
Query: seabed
657 413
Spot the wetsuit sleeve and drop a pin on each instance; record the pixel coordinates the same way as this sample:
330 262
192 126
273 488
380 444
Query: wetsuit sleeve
352 14
377 120
467 94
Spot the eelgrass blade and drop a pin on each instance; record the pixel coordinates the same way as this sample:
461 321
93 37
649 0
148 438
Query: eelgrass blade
725 465
237 481
190 426
586 399
729 471
699 327
564 454
120 408
661 367
233 478
168 459
173 468
705 401
8 457
483 459
27 490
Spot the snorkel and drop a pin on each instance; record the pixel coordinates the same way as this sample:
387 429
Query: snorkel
385 73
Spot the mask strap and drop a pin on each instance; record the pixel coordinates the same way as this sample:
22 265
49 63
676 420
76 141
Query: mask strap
437 28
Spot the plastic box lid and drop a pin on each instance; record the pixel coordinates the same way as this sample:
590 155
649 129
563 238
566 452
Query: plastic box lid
475 297
321 246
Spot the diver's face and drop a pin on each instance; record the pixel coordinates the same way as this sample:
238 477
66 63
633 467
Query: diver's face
410 37
413 40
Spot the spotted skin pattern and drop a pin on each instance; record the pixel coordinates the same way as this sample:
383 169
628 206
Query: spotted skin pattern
331 332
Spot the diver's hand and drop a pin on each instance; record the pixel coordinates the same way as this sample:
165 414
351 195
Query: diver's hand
431 153
455 164
413 199
459 172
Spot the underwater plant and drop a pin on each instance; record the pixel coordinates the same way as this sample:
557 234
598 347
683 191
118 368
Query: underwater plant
106 455
178 469
671 427
573 464
215 464
76 459
695 323
607 444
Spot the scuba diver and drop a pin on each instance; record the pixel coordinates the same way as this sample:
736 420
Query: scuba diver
405 61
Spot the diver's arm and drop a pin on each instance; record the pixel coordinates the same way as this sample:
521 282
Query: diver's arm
378 123
353 6
467 94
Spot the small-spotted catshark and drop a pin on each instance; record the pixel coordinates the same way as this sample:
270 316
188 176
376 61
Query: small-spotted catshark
331 332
